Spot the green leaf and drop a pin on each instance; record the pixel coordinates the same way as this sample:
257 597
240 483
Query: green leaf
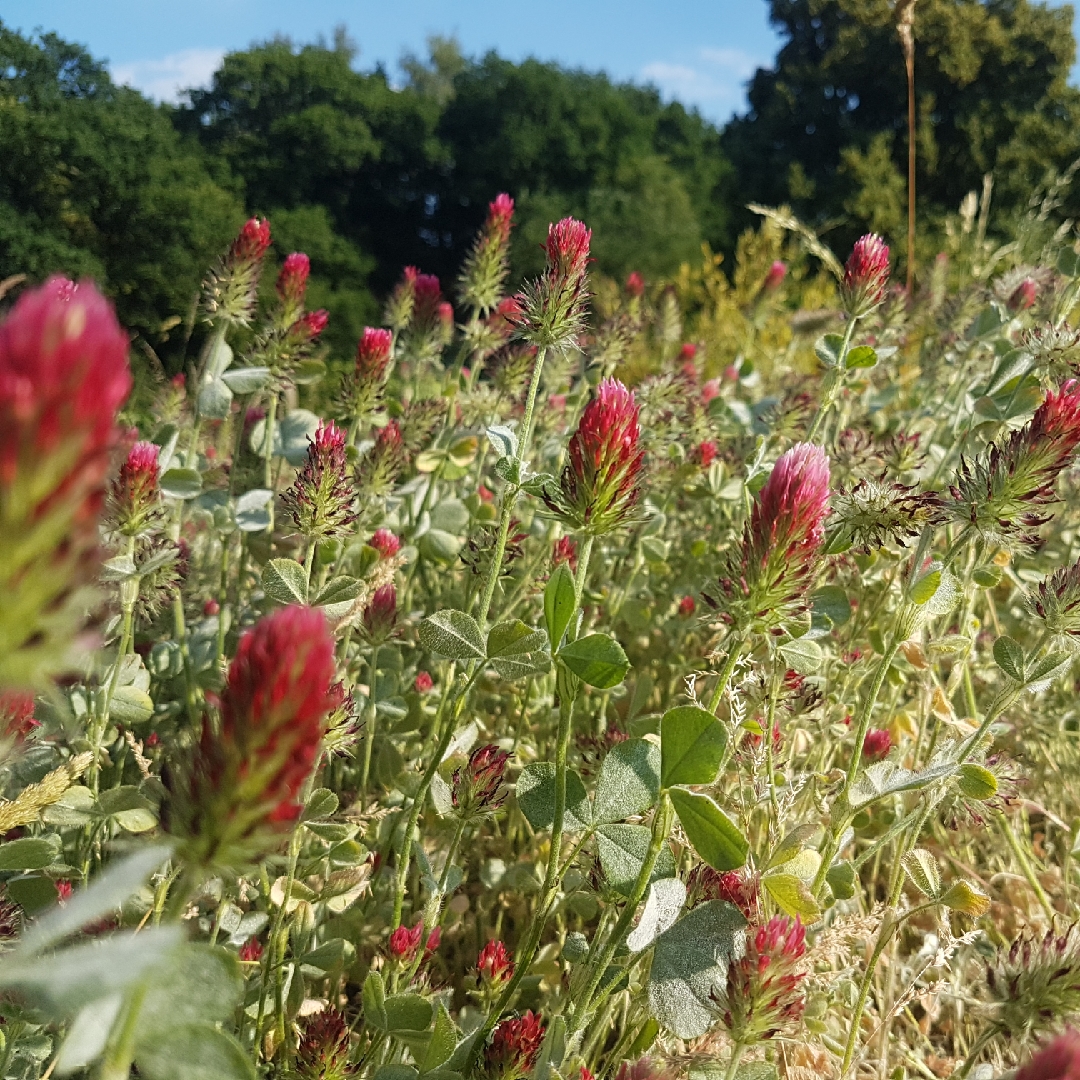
340 590
792 895
503 440
827 348
194 1052
1044 671
986 577
921 867
692 745
712 833
443 1040
130 705
517 651
629 781
246 380
862 356
802 655
792 844
559 603
622 850
29 853
924 589
284 580
1009 656
73 808
440 546
215 399
253 510
663 902
197 983
407 1012
841 880
180 483
598 660
321 803
452 634
690 960
330 955
536 797
373 997
977 782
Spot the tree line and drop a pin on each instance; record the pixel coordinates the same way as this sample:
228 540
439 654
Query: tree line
367 176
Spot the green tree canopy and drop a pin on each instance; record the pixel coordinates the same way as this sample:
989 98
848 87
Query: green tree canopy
826 130
95 180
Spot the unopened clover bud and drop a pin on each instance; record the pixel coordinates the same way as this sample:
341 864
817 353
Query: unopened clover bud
134 497
229 293
380 616
635 285
385 543
965 898
322 500
477 787
488 262
876 745
323 1053
866 274
775 277
494 965
292 281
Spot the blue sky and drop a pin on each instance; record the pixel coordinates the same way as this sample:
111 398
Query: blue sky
698 51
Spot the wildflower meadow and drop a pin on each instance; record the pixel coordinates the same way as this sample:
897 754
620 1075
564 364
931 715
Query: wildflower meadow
585 679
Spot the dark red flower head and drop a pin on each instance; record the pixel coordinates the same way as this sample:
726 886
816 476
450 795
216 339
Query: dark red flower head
380 616
600 484
494 965
134 494
373 354
500 217
246 775
866 274
252 241
16 715
477 787
251 951
513 1048
687 607
877 744
404 942
292 280
385 543
323 1053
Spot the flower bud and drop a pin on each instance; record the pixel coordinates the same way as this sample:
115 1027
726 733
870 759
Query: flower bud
229 292
63 375
564 550
488 262
380 616
600 485
477 787
308 327
134 495
379 468
323 1053
16 716
866 274
292 283
322 499
240 790
553 308
775 277
404 942
704 454
876 745
687 607
635 285
1022 297
385 543
423 682
494 965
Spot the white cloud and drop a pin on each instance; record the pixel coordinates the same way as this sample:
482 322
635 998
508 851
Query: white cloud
164 79
713 79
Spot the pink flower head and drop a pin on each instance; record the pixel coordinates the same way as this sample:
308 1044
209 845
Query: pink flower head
877 744
134 494
568 249
380 616
710 390
429 296
688 351
373 354
292 281
477 787
251 243
404 941
553 308
494 965
775 277
385 543
705 453
687 607
1022 297
1057 1060
246 776
423 682
211 608
500 218
866 273
322 499
308 327
740 888
16 715
768 574
635 285
251 951
564 550
600 484
63 376
514 1045
763 995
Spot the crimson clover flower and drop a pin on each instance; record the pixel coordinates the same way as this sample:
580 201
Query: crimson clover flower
404 942
380 466
385 543
1000 493
866 274
63 376
635 285
564 550
876 745
487 265
775 277
1057 1060
134 497
740 888
322 499
763 994
323 1053
229 292
513 1047
240 791
600 485
477 787
766 576
16 715
423 683
380 616
553 307
292 279
494 965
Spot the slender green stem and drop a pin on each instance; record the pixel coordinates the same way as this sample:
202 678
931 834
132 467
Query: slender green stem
724 678
737 1052
370 717
1025 865
268 454
120 1049
833 382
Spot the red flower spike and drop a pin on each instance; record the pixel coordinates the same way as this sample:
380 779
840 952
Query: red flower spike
600 485
292 281
775 277
553 308
404 941
477 787
687 607
500 217
704 453
635 285
866 274
308 327
385 543
1058 1060
380 616
63 376
322 499
513 1047
251 951
766 577
252 241
323 1053
488 262
134 493
240 793
423 682
16 715
373 354
739 888
688 351
494 965
876 745
382 464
